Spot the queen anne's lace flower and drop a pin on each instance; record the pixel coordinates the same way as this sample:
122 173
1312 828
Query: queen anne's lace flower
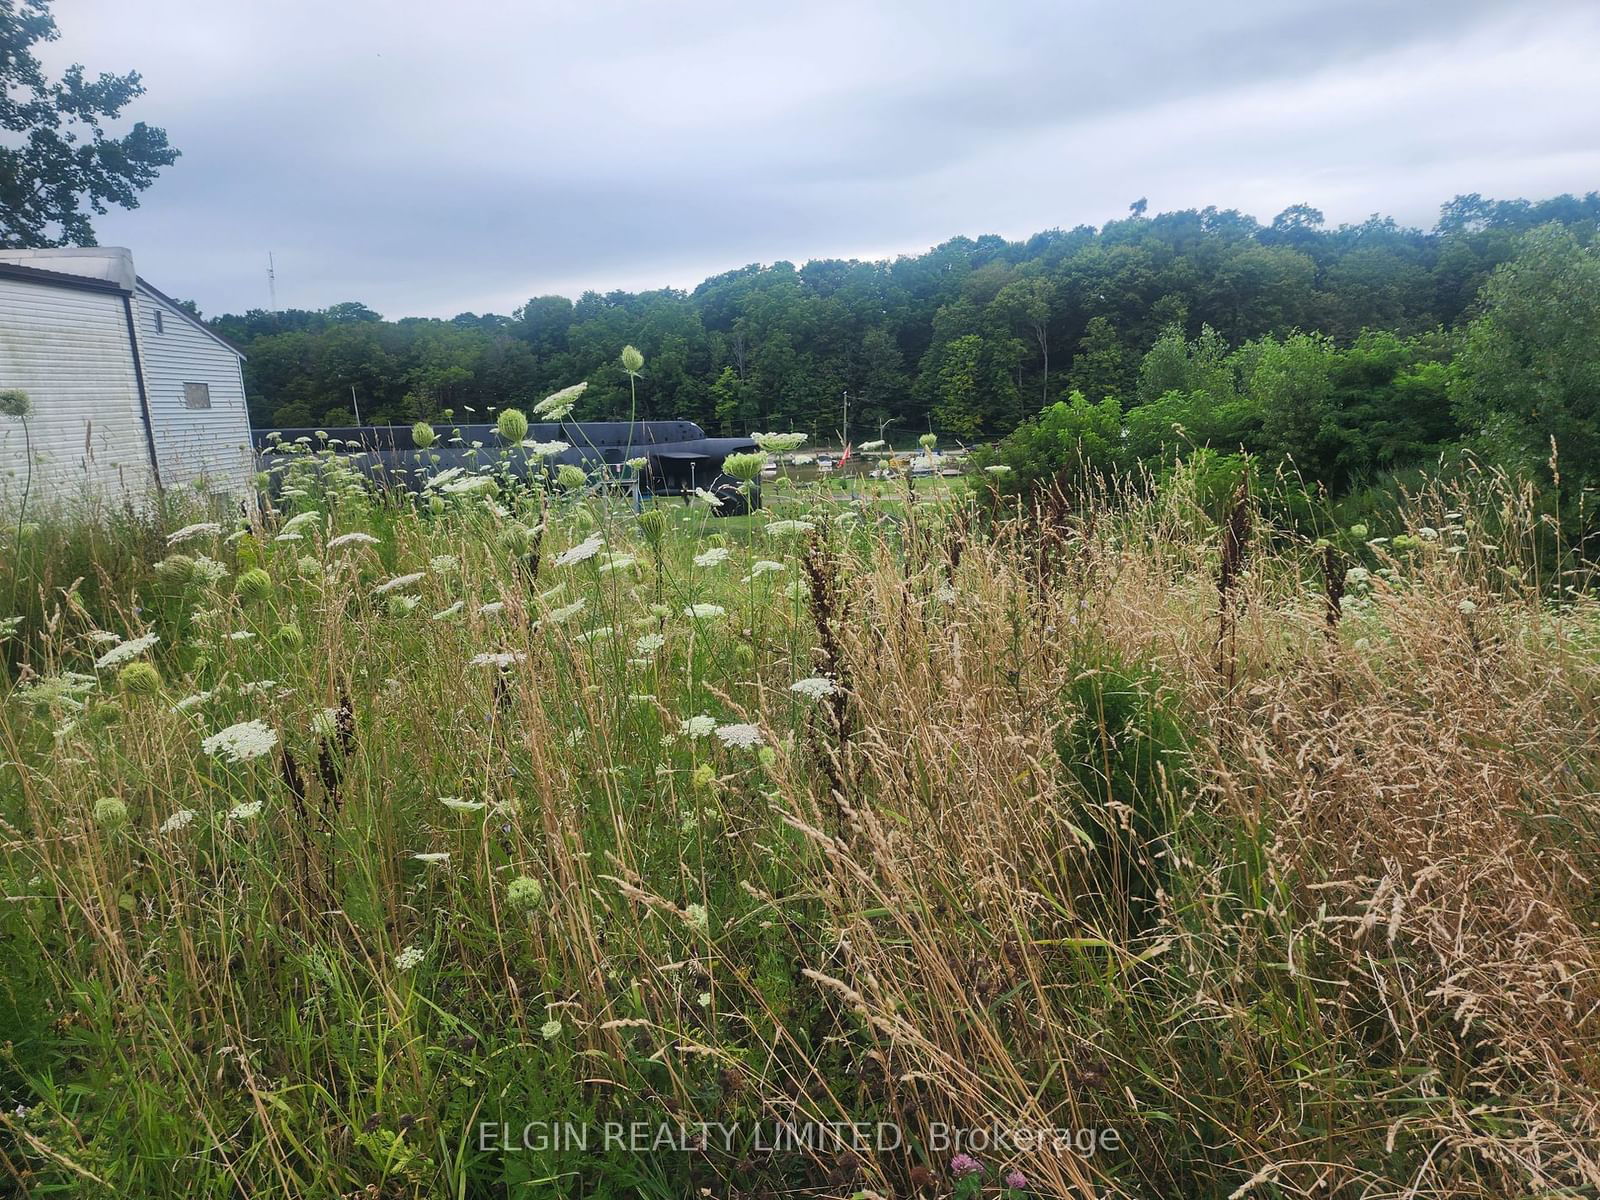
739 736
178 820
501 659
248 811
409 959
127 650
697 727
457 804
713 557
398 582
705 612
582 552
241 742
815 688
649 644
356 538
779 528
203 529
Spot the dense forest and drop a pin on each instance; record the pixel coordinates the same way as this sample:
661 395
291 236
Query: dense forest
1337 346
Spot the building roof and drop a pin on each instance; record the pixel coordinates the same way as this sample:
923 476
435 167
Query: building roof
88 283
146 286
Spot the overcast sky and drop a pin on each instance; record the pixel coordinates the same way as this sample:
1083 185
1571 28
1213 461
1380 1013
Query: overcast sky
432 158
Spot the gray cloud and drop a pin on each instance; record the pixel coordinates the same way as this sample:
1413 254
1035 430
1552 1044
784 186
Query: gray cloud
429 159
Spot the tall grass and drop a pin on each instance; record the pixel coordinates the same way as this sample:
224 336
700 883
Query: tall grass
1315 920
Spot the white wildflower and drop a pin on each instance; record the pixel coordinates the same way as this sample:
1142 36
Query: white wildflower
434 858
815 688
713 557
444 564
300 520
557 405
409 959
241 635
445 614
457 804
582 552
704 612
248 811
546 449
649 644
739 736
127 651
566 612
178 820
503 659
398 582
193 701
242 742
765 566
491 609
356 538
697 727
203 529
779 528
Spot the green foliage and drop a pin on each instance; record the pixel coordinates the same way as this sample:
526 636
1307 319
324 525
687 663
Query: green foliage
971 337
1530 365
65 166
1124 742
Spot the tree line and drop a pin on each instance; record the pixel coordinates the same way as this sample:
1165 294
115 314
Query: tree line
1339 340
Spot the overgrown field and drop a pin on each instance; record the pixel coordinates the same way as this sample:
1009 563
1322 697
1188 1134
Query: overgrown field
341 849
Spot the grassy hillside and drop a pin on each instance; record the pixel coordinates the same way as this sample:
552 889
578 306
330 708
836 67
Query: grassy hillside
339 851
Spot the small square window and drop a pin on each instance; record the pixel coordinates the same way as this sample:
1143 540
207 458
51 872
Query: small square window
197 395
161 324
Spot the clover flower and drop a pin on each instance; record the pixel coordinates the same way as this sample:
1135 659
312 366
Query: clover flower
241 742
963 1164
127 651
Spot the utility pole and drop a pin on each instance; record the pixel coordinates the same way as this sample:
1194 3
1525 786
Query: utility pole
353 403
845 433
272 282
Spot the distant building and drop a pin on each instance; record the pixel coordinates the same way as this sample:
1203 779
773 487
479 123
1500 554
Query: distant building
130 393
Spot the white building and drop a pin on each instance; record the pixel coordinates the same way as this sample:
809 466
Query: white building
130 394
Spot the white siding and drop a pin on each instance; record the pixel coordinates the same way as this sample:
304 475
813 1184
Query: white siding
210 444
68 348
